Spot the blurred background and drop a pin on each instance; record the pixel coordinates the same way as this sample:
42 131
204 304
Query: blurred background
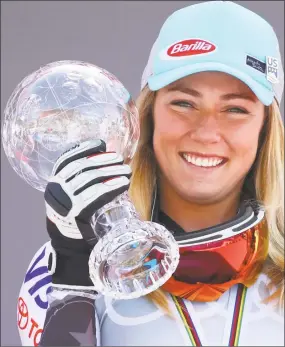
115 35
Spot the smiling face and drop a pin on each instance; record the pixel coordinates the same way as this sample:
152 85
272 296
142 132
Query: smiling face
206 131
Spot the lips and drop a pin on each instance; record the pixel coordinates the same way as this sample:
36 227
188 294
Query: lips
202 160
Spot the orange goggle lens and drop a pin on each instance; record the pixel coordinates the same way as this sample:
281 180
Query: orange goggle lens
239 257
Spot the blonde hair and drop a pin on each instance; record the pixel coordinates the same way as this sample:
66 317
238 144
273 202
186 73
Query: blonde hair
269 188
268 179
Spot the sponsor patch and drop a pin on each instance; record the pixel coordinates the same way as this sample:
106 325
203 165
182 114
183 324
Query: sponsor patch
272 70
27 324
256 64
40 280
190 47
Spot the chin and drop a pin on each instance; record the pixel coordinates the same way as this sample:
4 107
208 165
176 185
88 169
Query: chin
202 196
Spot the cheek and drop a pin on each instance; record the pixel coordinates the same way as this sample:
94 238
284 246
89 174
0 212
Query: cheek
162 141
244 143
168 130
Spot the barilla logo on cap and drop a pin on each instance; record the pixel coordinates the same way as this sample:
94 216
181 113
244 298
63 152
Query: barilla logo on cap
190 47
186 48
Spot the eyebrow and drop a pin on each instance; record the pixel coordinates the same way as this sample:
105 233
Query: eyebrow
193 92
186 90
245 96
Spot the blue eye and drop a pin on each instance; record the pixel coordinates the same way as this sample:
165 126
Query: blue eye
237 110
182 103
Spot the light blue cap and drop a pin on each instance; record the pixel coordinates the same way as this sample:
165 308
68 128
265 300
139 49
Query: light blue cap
217 36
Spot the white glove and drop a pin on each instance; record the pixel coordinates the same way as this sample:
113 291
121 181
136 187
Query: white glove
84 179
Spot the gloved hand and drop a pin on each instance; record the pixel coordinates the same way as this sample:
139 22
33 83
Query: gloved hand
84 179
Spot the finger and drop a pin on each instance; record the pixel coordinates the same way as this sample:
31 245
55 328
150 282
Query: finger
58 199
81 150
89 178
86 164
91 199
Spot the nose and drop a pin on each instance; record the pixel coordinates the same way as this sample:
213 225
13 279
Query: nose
206 130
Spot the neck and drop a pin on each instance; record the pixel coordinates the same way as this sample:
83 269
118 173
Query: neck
193 216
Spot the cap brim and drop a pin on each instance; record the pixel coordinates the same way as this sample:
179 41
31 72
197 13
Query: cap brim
161 80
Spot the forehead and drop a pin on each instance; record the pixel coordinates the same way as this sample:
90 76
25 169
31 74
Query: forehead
210 79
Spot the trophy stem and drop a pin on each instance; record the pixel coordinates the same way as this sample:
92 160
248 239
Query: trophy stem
118 211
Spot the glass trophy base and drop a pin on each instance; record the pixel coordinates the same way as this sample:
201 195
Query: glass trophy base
133 259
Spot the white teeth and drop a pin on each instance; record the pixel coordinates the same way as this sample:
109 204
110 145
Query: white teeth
205 162
217 162
198 162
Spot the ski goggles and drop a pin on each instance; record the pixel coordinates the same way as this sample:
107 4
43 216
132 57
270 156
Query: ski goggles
214 259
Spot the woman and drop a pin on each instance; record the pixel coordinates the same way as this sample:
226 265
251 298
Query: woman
210 160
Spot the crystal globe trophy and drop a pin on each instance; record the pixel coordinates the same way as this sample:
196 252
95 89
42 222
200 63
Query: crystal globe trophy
59 106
